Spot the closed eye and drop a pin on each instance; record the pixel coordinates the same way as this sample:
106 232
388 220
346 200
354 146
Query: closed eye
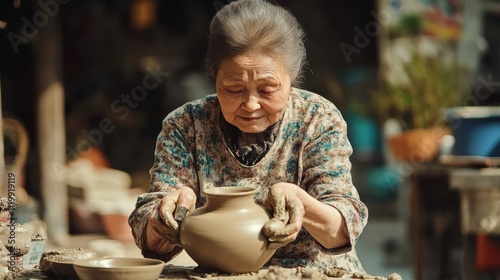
266 91
234 91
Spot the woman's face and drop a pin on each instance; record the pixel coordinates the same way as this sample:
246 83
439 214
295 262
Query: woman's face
252 89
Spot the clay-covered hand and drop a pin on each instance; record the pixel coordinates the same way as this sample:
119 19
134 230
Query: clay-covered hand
171 210
288 212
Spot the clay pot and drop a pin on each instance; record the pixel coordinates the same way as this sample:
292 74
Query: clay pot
226 234
420 145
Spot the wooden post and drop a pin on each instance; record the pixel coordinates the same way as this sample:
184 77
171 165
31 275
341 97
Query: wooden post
51 130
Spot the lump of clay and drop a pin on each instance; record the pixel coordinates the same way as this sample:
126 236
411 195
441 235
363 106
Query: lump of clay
312 273
64 255
394 276
4 211
277 273
359 275
335 272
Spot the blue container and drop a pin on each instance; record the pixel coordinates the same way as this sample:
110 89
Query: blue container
476 130
363 133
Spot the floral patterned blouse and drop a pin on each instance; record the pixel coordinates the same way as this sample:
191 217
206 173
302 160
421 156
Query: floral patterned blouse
310 150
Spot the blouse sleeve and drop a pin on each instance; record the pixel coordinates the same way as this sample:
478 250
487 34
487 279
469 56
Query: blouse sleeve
327 172
173 167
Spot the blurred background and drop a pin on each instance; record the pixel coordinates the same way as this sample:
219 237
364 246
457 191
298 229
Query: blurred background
86 84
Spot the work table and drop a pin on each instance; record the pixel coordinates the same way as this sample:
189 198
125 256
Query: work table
172 272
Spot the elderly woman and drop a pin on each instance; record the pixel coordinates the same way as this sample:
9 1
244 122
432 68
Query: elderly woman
258 130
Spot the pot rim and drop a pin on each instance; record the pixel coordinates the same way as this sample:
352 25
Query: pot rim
230 191
472 112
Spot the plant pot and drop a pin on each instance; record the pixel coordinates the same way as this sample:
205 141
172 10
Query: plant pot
226 234
419 145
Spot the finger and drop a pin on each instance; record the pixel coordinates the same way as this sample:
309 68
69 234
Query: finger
268 203
279 241
166 214
279 211
180 213
296 213
285 232
185 204
282 239
294 224
273 227
274 245
162 231
277 231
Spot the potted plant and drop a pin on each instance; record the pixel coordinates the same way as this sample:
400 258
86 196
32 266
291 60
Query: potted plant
431 86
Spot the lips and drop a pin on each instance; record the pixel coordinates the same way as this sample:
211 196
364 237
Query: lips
250 118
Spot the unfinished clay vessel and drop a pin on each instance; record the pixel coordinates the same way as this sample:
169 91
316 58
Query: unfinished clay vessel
226 233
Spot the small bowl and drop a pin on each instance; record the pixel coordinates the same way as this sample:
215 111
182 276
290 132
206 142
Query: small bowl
119 268
62 259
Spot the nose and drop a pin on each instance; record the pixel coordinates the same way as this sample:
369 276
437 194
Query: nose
251 101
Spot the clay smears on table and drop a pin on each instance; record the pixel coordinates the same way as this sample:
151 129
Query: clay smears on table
276 272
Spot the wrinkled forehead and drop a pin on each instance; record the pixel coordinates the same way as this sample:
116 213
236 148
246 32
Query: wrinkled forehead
255 66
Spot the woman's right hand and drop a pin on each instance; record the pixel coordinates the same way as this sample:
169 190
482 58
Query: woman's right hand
288 213
162 230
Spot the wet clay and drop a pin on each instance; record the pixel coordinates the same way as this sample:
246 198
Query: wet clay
65 256
335 272
3 252
270 273
4 204
394 276
273 226
172 272
275 272
18 250
28 275
366 276
38 236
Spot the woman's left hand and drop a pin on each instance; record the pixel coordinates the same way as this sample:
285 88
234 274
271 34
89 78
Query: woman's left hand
288 212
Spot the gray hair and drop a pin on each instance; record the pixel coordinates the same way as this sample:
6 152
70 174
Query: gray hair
256 25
